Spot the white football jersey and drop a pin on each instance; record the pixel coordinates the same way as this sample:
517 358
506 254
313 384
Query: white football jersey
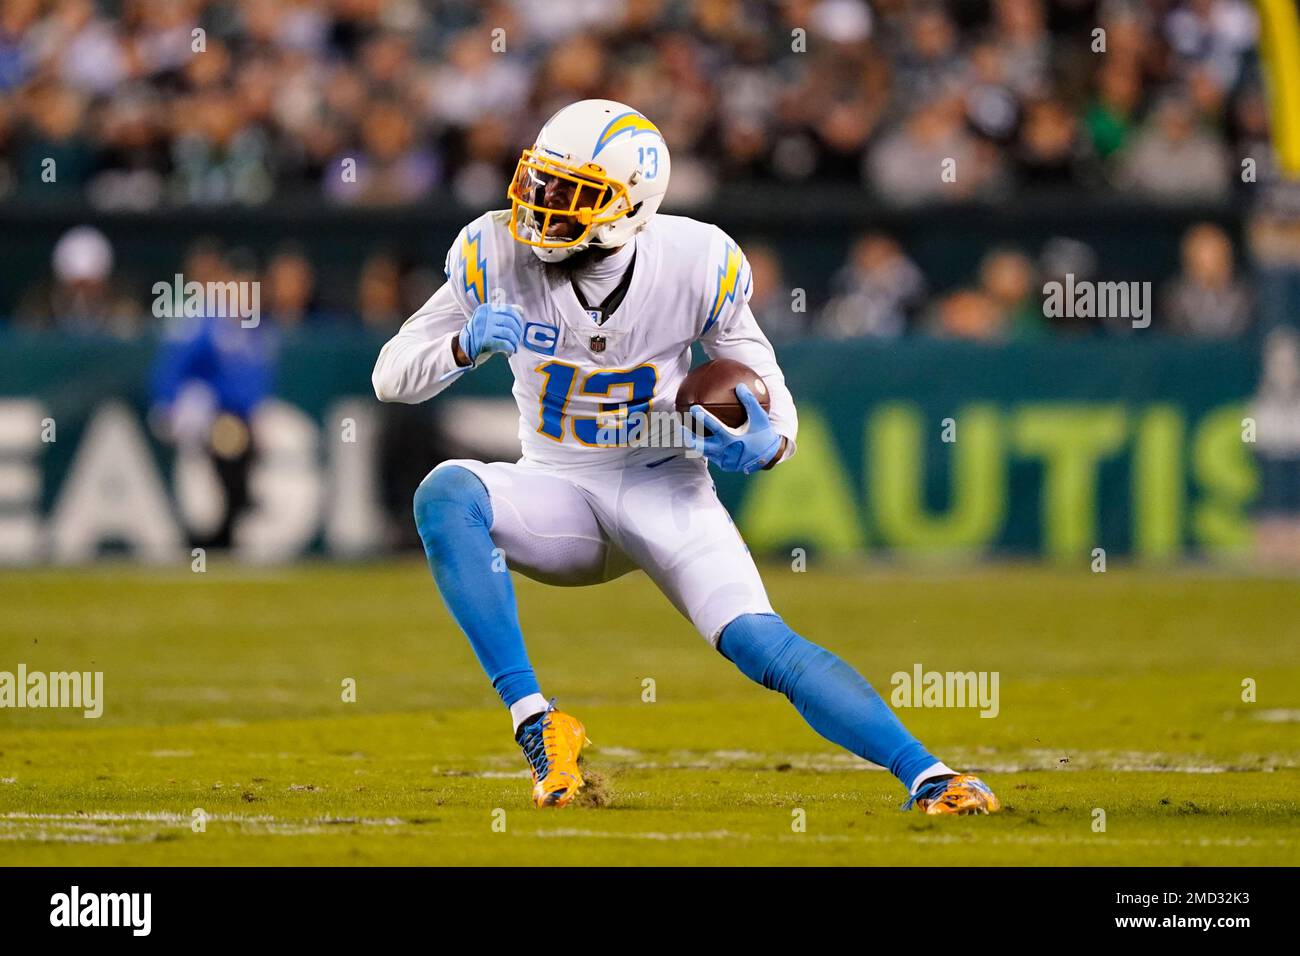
577 380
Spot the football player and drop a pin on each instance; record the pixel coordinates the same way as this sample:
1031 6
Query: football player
596 302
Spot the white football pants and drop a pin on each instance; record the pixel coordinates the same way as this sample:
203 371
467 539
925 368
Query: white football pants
589 525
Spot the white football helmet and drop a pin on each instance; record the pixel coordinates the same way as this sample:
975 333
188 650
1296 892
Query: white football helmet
595 176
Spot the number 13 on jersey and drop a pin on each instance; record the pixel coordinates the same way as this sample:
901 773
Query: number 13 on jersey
626 391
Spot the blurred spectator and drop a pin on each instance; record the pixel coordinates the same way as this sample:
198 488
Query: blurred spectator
84 46
1111 115
1007 278
56 156
908 166
134 152
473 82
83 297
1206 300
379 293
876 294
392 288
1062 257
1019 30
288 292
1215 33
391 166
217 158
16 20
772 301
211 375
1173 160
1207 97
929 65
992 107
204 261
1050 152
968 314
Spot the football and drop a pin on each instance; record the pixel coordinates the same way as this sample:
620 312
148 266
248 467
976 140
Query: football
713 387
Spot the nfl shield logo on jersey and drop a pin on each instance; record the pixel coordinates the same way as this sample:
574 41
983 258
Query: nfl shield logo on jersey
598 343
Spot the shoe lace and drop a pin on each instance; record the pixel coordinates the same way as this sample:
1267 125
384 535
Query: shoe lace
930 790
534 743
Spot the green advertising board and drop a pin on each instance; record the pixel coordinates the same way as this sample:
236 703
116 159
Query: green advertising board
909 449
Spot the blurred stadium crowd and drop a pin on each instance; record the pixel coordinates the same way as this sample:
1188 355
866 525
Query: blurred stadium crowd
414 92
284 92
879 292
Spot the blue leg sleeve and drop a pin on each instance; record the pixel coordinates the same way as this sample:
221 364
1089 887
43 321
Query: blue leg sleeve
834 698
454 516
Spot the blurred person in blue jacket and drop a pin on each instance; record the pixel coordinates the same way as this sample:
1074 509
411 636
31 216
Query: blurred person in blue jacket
211 374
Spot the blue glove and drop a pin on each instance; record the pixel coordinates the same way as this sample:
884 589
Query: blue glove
746 451
492 328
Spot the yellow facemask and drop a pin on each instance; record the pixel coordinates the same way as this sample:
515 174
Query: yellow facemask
596 199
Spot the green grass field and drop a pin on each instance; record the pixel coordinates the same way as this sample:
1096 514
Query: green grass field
1119 691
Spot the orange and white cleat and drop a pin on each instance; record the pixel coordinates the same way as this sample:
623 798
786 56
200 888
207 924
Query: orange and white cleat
552 742
960 795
